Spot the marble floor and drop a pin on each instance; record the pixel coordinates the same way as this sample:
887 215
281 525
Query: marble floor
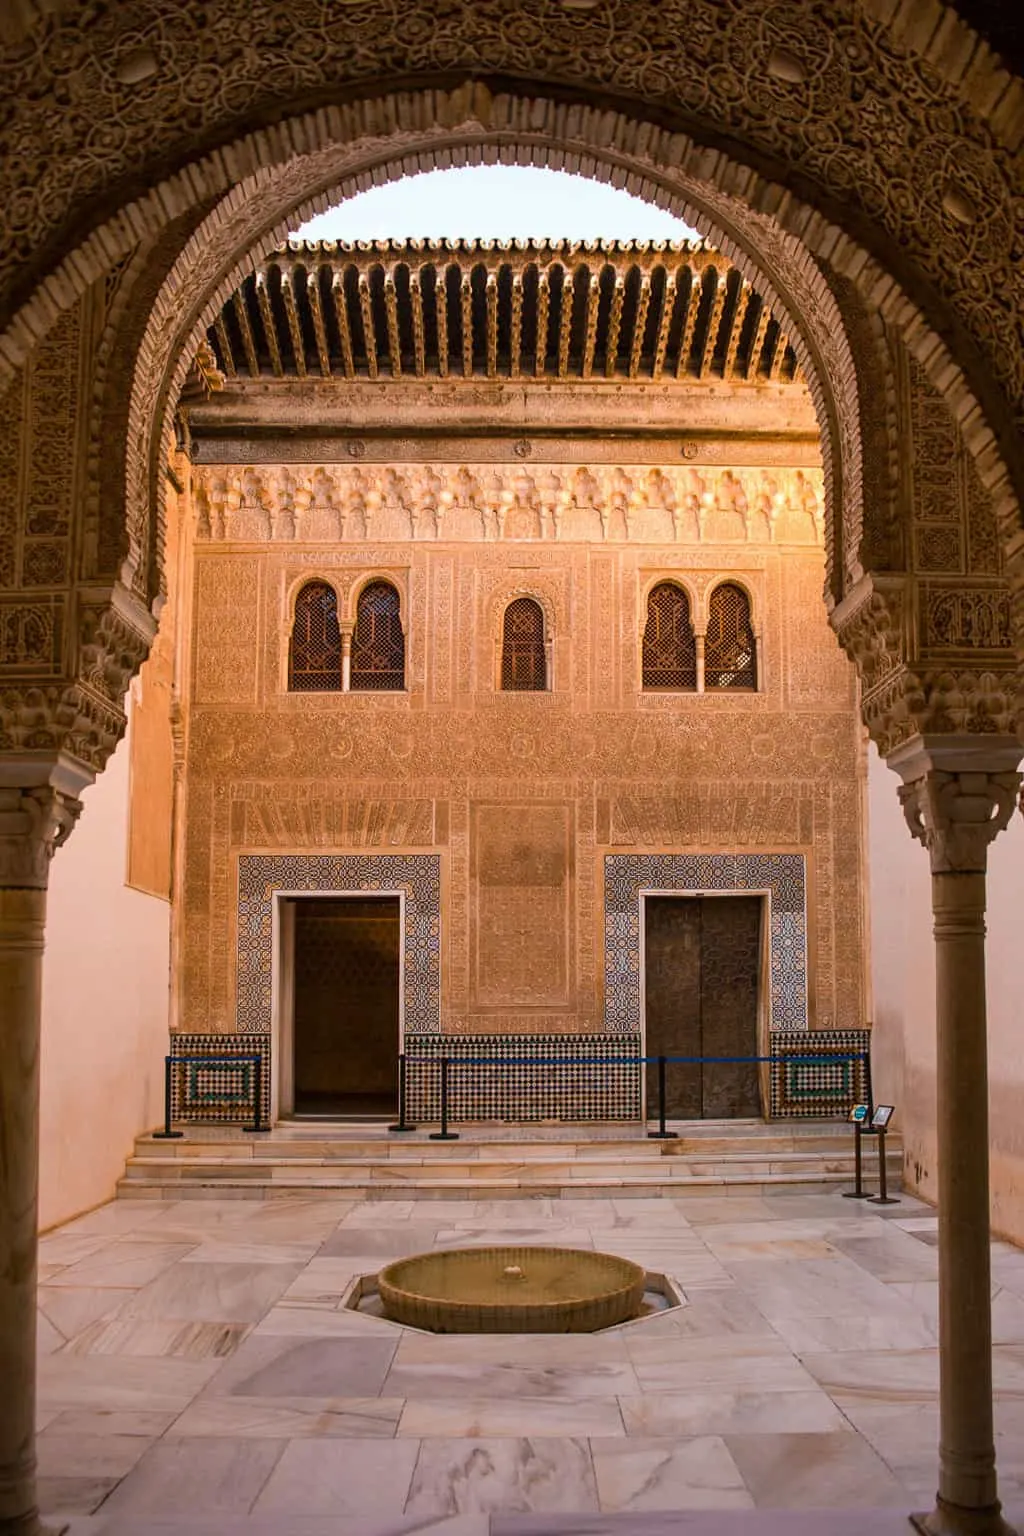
198 1376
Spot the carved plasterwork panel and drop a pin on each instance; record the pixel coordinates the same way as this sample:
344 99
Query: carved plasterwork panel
589 768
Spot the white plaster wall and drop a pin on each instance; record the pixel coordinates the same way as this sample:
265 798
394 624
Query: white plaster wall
903 978
105 983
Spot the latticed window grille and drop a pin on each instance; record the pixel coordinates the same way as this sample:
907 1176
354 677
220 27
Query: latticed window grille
314 662
669 648
730 659
524 666
378 644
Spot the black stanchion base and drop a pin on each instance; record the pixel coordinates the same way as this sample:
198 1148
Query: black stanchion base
400 1128
883 1200
857 1194
168 1135
444 1136
258 1130
663 1135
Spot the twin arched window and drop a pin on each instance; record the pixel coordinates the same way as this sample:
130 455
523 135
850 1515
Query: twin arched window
314 665
378 644
524 663
671 659
730 655
321 659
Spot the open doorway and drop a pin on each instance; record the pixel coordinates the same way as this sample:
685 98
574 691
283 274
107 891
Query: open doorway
702 966
346 980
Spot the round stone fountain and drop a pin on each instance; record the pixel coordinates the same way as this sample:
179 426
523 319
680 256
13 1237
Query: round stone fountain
512 1290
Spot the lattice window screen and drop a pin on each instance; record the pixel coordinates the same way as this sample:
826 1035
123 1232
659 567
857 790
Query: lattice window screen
669 648
378 644
729 651
523 660
314 662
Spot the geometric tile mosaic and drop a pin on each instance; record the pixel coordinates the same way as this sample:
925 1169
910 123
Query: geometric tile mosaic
782 875
524 1077
805 1083
207 1085
416 875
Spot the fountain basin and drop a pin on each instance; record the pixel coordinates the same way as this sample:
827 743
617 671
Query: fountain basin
512 1290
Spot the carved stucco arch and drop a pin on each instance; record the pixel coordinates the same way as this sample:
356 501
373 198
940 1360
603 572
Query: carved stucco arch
387 576
652 582
895 122
256 216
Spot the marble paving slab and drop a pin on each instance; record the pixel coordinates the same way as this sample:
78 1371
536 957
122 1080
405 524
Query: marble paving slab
512 1416
639 1474
339 1477
291 1418
228 1293
465 1476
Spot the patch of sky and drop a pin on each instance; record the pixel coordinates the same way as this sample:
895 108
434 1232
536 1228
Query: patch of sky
495 202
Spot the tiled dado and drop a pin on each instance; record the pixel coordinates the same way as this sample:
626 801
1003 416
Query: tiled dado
782 875
416 875
525 1077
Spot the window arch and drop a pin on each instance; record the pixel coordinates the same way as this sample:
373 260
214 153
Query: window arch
378 644
669 647
524 664
314 656
730 654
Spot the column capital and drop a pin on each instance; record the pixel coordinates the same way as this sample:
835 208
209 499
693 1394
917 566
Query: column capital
39 805
958 793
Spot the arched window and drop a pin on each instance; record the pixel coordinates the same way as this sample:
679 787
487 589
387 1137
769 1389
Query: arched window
314 661
729 652
669 648
378 644
524 667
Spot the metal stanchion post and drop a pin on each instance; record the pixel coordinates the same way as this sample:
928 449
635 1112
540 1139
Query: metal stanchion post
661 1134
402 1124
883 1197
858 1192
444 1134
167 1134
257 1095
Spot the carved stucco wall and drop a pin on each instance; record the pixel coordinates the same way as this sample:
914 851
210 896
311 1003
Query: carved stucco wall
451 765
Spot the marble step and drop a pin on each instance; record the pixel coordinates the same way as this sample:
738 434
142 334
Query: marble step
643 1166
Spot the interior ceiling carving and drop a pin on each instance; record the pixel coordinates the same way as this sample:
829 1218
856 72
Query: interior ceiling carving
539 309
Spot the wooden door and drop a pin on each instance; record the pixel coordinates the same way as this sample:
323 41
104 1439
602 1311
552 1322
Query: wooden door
346 1005
702 963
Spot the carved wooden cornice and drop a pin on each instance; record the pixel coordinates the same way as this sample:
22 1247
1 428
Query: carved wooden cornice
559 310
671 504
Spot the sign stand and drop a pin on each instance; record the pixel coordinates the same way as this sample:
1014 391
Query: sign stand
858 1115
879 1125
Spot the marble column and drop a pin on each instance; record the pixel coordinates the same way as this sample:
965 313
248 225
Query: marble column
36 816
958 794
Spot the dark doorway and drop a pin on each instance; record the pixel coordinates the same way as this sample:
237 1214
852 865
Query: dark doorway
702 961
346 1005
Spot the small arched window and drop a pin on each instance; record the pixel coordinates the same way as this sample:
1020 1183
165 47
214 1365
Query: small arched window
524 667
730 659
669 648
314 661
378 644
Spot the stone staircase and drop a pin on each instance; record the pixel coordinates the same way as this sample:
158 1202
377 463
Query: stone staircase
365 1161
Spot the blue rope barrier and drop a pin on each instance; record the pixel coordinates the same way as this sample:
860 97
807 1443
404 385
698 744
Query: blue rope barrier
627 1061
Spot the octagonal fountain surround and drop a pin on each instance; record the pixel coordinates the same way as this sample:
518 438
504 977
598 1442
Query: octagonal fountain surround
512 1290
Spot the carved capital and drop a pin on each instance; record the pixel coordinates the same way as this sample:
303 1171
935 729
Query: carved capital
957 796
34 822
